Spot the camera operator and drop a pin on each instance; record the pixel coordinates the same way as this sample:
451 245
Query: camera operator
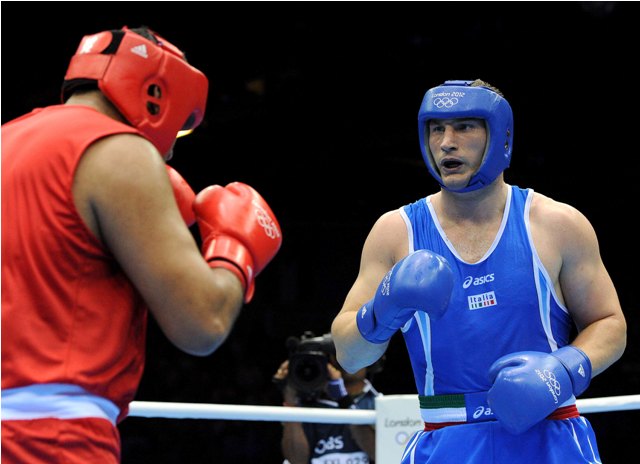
312 377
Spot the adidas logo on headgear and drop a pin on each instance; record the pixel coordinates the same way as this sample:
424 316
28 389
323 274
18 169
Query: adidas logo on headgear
140 50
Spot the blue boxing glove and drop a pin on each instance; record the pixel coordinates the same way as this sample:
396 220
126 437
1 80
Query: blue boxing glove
421 281
530 385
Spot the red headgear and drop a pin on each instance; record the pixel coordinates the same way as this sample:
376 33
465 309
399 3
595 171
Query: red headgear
152 85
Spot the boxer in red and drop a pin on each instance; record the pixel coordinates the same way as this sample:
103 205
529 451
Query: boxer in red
93 240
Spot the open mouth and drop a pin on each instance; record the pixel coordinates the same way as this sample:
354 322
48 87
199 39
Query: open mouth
451 164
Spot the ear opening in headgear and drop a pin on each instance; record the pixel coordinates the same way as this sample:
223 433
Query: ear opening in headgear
155 92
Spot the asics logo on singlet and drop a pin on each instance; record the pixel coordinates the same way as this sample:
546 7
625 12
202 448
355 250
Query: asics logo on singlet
445 102
266 222
478 280
482 411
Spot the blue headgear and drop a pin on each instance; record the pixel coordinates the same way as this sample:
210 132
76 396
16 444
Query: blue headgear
457 99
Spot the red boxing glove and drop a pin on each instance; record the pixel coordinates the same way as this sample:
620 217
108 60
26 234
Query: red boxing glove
239 231
184 195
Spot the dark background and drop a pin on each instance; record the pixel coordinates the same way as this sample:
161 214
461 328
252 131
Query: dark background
315 105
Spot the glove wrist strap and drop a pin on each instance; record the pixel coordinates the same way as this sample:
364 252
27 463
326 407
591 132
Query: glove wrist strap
576 362
229 266
366 322
227 252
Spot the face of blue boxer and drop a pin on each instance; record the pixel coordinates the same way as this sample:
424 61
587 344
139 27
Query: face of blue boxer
459 100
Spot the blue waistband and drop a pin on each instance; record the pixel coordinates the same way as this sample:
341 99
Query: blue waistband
55 400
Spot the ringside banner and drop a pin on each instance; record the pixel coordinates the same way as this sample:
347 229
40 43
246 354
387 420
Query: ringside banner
397 418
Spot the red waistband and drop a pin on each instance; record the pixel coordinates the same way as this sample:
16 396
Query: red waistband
566 412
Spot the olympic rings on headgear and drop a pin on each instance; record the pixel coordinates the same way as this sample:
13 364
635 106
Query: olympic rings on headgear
445 102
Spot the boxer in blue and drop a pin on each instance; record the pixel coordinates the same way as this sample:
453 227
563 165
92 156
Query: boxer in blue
486 281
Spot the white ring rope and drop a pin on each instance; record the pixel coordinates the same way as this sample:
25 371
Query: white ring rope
320 415
612 403
250 413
